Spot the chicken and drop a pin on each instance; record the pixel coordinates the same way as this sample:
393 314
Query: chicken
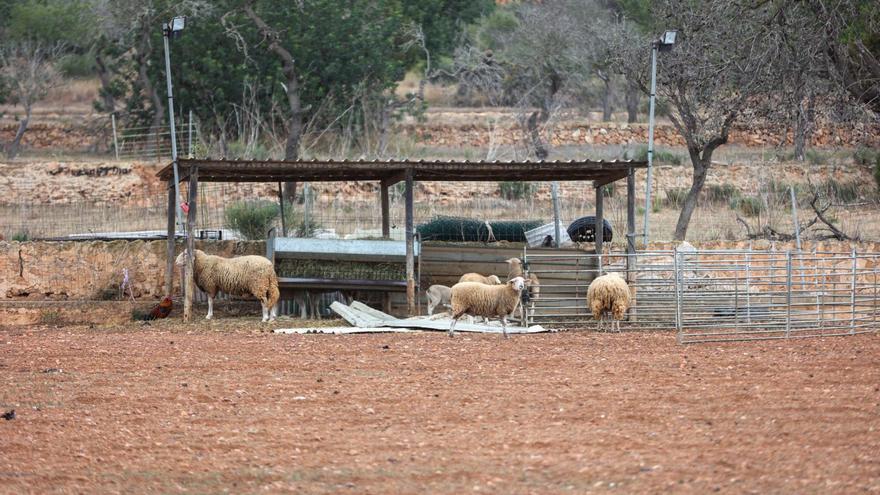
161 310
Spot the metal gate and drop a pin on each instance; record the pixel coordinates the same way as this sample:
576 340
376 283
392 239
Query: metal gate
719 295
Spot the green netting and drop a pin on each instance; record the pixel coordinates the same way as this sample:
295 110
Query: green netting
457 229
344 270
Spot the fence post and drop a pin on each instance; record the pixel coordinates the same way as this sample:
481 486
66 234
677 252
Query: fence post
675 274
787 293
852 296
190 136
749 287
797 228
115 141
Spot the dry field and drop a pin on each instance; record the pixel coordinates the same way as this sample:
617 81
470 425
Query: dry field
222 407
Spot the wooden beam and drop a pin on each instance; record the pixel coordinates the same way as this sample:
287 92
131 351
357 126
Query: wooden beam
189 288
410 252
630 224
386 215
600 218
172 231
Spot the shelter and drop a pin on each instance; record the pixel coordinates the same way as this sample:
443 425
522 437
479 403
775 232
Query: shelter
387 173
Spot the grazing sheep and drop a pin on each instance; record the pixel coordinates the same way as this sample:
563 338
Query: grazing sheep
476 299
533 286
438 295
611 293
241 276
476 277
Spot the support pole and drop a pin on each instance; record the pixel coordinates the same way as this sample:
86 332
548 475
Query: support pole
788 294
650 139
115 140
189 290
166 32
386 218
283 216
794 217
852 296
631 224
600 218
190 136
410 252
554 192
169 266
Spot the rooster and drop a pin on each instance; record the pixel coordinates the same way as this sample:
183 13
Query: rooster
161 310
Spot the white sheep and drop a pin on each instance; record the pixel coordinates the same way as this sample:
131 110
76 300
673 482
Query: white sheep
438 295
611 293
476 277
533 287
488 301
241 276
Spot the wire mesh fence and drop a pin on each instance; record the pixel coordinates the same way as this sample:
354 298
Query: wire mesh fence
720 295
140 142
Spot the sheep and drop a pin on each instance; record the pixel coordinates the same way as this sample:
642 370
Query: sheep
241 276
611 293
533 286
476 299
476 277
438 295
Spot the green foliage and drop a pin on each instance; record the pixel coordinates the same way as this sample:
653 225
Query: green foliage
660 156
77 64
48 21
675 197
251 219
865 156
21 236
816 157
456 229
750 206
721 193
442 20
516 190
608 190
877 171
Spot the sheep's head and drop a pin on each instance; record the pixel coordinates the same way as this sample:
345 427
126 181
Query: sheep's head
494 279
518 283
181 259
514 262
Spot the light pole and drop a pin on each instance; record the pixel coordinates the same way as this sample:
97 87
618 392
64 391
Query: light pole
664 44
173 28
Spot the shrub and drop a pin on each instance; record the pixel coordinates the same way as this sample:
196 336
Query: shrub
750 206
841 192
516 190
877 171
675 197
251 219
721 193
865 156
21 236
77 64
816 157
660 156
608 190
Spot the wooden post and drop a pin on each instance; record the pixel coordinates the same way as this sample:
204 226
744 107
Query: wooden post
600 219
172 232
630 224
189 290
283 216
386 218
410 252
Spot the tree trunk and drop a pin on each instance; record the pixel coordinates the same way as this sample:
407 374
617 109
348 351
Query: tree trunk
535 136
632 101
12 150
803 126
106 85
701 170
141 55
607 95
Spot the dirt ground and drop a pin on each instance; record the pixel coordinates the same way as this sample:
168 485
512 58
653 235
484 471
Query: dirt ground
174 408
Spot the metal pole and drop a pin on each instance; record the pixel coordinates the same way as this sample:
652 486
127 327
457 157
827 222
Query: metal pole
797 228
650 139
307 190
675 274
749 287
852 296
554 192
115 141
410 251
166 32
788 293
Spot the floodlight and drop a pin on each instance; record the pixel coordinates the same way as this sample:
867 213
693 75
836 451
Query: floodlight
669 37
178 23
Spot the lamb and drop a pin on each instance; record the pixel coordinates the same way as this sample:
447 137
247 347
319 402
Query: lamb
476 277
241 276
476 299
438 295
533 286
611 293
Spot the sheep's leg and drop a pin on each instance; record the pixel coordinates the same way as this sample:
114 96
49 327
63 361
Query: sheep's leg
452 327
430 308
273 313
504 327
210 307
265 312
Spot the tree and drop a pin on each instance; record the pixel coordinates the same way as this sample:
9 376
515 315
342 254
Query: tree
721 65
28 67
